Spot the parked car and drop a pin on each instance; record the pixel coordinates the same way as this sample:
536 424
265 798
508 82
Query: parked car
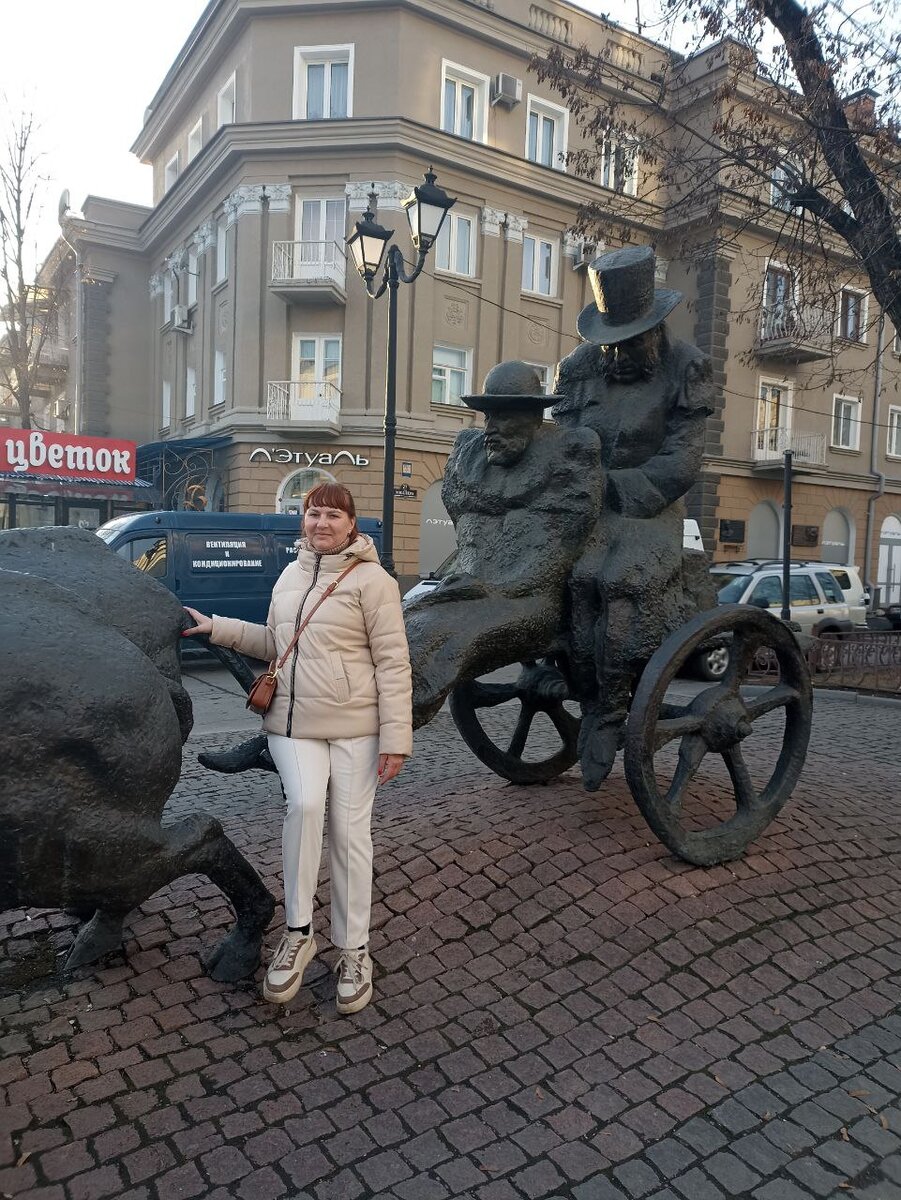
817 602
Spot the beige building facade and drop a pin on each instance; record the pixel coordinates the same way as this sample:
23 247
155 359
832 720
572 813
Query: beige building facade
256 361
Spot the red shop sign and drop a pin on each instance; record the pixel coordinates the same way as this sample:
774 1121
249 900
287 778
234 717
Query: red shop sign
66 455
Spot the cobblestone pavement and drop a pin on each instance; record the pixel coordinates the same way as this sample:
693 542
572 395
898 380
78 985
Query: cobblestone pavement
562 1009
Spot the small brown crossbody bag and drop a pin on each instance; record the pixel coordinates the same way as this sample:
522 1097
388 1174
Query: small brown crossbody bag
262 690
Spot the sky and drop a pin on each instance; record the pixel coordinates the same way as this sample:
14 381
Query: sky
87 70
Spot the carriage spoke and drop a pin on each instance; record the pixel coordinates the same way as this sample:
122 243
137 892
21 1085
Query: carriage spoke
489 695
691 754
676 727
745 792
561 719
521 732
741 656
776 697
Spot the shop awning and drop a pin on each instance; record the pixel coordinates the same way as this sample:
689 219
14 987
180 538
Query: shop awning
77 488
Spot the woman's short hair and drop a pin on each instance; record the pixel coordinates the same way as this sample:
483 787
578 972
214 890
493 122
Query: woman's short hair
332 495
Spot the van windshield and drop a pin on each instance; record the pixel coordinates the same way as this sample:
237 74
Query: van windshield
108 531
730 589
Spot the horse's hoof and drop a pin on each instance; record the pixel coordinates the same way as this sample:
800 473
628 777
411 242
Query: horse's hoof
235 957
101 936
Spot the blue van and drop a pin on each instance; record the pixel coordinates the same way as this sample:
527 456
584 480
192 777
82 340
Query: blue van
225 563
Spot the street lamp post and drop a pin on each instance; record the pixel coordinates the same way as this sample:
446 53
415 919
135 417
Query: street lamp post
426 207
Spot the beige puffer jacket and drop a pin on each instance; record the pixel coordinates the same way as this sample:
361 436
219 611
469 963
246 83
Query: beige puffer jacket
352 674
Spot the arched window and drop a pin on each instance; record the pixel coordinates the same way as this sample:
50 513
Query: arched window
295 487
838 537
888 575
763 531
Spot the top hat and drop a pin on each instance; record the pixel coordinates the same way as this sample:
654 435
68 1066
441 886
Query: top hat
511 387
626 302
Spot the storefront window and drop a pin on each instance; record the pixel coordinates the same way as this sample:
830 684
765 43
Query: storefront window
30 514
85 516
296 487
4 514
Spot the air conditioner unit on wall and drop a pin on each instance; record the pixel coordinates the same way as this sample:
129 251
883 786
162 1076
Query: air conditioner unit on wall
506 90
181 321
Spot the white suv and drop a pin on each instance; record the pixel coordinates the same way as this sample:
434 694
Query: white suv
817 601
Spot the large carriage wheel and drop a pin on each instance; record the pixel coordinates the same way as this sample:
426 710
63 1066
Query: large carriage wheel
718 721
469 698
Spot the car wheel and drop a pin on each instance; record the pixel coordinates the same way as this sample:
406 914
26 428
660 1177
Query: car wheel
711 664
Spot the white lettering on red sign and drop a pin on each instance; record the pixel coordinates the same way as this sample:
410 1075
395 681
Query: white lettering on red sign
35 452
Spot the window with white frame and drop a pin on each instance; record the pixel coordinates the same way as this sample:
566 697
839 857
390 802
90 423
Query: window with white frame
226 103
852 320
166 406
619 164
546 133
547 376
219 377
896 345
450 374
455 248
221 250
845 422
323 82
317 366
167 294
539 265
464 102
893 441
195 140
171 172
192 276
190 391
320 226
783 182
774 399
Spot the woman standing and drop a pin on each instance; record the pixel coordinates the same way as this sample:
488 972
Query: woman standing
340 724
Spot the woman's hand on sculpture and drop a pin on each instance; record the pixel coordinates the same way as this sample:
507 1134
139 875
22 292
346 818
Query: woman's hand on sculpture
202 624
389 766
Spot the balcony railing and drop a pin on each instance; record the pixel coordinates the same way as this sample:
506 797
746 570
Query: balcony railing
311 402
798 333
769 445
302 266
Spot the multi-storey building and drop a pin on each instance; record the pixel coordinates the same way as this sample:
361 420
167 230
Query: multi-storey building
257 362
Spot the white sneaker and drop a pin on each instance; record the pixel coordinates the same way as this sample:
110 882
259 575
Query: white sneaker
354 971
285 973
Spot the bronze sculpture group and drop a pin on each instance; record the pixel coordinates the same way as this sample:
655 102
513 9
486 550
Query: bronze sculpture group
569 561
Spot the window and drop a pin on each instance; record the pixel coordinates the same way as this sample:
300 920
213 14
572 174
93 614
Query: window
195 140
766 594
893 442
619 164
778 318
830 588
853 317
845 422
539 266
192 276
147 554
226 106
190 391
547 377
896 344
546 132
454 249
802 591
321 225
166 408
221 250
317 366
167 294
773 415
171 172
323 82
783 182
450 374
464 102
219 377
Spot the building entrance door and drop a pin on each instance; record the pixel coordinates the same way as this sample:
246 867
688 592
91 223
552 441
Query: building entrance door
888 576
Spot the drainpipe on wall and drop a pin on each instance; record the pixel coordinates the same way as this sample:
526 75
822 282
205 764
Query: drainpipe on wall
880 475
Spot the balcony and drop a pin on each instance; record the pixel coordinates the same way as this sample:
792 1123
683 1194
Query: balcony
769 445
312 405
794 334
309 272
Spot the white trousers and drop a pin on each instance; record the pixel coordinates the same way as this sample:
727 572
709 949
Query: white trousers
345 770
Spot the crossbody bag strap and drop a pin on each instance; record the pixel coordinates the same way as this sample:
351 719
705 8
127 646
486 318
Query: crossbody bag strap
322 599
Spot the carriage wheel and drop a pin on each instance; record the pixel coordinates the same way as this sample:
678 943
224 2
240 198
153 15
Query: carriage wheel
469 698
718 721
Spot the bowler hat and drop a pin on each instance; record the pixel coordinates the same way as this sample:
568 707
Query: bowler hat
626 302
511 387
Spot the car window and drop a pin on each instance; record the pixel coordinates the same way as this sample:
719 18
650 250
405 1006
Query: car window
768 592
831 590
803 591
843 578
730 590
148 554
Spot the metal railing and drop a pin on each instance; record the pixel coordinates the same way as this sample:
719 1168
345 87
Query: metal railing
309 263
796 323
769 445
869 659
310 401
